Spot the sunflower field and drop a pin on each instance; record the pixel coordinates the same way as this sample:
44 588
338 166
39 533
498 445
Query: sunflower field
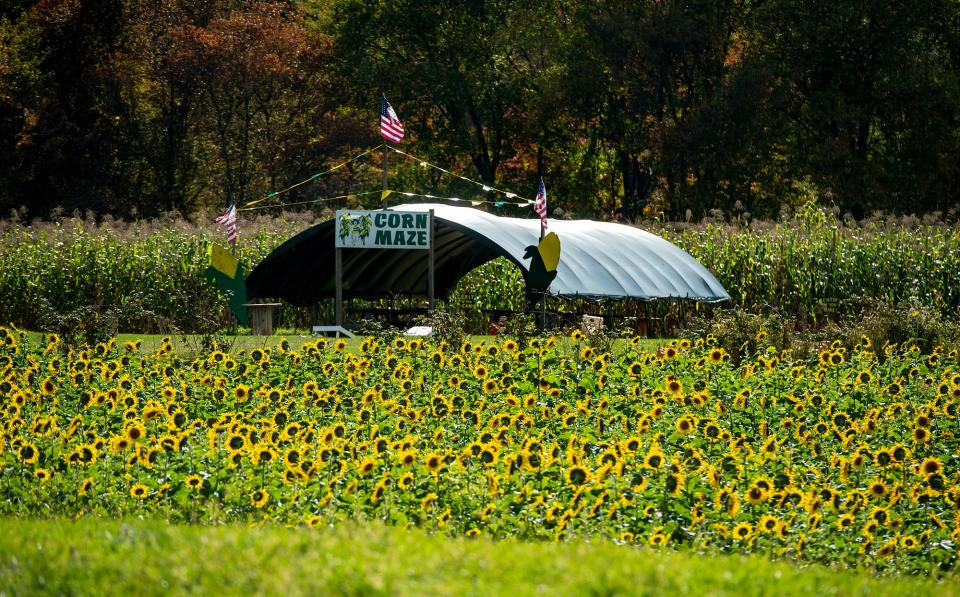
849 458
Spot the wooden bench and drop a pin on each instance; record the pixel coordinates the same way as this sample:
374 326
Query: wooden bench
419 330
337 330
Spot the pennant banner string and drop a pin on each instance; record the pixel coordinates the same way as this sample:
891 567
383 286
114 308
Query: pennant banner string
510 195
321 200
494 202
485 187
250 204
384 193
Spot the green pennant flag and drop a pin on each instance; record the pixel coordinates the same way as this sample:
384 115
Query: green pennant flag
227 273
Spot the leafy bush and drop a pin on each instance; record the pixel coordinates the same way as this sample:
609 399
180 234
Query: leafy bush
741 333
878 323
448 326
884 322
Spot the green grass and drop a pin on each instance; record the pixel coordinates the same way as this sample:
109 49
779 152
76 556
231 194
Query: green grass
93 557
190 344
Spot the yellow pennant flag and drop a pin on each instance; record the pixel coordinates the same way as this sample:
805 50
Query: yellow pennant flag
384 194
223 261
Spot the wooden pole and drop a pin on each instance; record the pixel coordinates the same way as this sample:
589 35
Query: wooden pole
543 310
386 153
430 263
543 299
338 281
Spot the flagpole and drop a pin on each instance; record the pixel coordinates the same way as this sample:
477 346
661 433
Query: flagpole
233 245
542 196
543 297
391 129
386 152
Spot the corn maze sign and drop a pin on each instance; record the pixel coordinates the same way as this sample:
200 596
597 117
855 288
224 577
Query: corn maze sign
363 229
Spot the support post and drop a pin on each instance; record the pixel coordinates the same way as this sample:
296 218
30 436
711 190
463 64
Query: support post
338 282
430 263
543 310
261 317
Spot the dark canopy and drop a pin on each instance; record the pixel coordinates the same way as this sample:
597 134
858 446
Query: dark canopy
597 260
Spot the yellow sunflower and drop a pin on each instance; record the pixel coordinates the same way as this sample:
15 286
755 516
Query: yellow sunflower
194 482
259 497
139 491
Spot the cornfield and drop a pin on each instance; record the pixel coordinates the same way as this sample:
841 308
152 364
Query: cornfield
148 276
809 265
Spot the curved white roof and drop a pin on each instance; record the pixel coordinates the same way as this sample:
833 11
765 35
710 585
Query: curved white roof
598 260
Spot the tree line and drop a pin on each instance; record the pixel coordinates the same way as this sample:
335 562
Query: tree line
137 107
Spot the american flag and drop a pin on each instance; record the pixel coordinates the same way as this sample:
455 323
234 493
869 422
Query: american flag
540 205
229 221
391 128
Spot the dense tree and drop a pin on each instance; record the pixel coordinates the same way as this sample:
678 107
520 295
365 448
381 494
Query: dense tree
262 82
141 106
871 97
61 113
163 105
163 94
467 75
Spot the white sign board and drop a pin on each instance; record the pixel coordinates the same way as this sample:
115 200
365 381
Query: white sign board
382 229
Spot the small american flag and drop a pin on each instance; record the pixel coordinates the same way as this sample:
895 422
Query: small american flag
540 205
391 128
229 221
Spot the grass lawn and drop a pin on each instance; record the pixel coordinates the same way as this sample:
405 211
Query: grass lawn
94 557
